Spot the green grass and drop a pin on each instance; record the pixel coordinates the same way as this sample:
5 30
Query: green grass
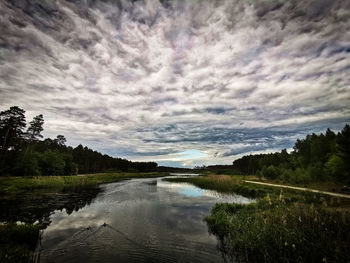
281 226
18 242
19 185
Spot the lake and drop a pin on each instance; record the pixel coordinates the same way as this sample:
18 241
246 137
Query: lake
138 220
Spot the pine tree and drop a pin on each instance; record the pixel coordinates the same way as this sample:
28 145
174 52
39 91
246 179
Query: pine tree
12 124
35 128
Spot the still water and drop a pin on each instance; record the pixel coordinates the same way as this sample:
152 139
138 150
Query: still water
140 220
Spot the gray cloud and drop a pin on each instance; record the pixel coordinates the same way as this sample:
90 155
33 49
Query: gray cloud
147 79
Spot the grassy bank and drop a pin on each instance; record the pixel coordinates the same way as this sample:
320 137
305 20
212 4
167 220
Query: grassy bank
281 226
223 183
20 185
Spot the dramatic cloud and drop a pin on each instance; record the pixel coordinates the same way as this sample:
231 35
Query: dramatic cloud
180 82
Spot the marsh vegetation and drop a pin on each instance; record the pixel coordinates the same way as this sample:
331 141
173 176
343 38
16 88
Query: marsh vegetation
281 226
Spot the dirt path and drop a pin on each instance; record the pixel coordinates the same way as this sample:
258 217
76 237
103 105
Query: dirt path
300 188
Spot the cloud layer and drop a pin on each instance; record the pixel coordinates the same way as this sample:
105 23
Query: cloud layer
180 82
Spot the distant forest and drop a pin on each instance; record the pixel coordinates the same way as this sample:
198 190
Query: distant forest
24 153
318 157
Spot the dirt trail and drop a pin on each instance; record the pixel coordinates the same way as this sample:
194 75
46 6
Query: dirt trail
300 188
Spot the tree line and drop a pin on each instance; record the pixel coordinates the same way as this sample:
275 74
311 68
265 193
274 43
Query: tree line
318 157
23 152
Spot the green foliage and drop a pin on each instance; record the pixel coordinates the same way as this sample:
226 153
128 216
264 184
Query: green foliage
273 231
336 167
89 161
252 164
286 175
70 167
270 172
315 158
24 154
317 173
52 163
300 176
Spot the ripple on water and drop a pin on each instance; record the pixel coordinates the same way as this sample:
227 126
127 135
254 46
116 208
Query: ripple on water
148 220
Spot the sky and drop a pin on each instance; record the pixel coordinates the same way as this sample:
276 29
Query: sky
181 82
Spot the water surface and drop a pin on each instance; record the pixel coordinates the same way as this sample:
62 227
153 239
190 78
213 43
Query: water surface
139 220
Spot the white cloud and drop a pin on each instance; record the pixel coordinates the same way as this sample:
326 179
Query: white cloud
142 77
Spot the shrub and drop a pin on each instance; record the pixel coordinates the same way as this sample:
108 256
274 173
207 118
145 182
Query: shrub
335 167
287 175
300 176
270 172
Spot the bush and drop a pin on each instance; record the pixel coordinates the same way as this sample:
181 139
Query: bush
300 176
335 167
287 175
270 172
